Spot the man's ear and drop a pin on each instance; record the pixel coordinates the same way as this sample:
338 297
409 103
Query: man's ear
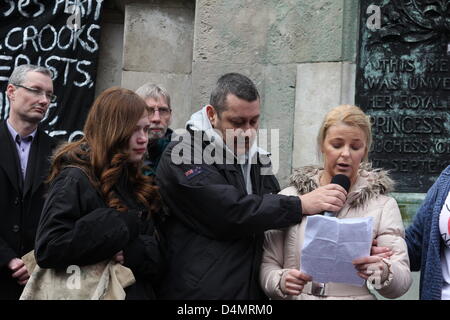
10 90
212 115
170 120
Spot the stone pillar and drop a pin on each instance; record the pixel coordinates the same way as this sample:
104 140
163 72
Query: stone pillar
320 87
109 71
158 45
265 40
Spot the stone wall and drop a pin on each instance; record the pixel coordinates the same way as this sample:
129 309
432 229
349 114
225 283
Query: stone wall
158 48
149 41
109 71
266 40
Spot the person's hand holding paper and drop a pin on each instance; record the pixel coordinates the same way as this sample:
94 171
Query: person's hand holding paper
331 245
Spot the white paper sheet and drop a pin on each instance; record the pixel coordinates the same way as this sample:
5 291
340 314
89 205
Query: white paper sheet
330 246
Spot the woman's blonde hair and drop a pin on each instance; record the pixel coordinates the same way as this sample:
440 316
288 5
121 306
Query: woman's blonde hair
102 152
349 115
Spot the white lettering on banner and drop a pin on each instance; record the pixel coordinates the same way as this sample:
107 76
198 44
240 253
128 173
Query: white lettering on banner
86 74
89 7
97 9
6 68
60 32
24 3
12 6
73 6
95 45
57 133
21 56
32 37
21 4
4 100
41 10
52 33
51 106
57 3
76 37
84 5
75 134
8 35
66 69
85 45
70 5
52 63
30 34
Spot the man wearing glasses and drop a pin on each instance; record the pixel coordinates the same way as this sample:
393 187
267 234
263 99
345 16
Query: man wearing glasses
160 113
24 162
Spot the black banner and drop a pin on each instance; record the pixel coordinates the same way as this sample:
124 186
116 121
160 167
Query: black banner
62 35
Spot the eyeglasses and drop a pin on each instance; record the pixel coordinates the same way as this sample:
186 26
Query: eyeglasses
163 111
38 92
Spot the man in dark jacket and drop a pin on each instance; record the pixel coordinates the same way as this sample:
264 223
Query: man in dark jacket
159 135
222 196
24 165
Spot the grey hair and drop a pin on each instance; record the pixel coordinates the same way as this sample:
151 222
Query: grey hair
20 72
154 91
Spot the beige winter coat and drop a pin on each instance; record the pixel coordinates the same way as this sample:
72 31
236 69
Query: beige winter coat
367 197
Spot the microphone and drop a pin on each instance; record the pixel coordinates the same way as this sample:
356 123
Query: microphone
344 182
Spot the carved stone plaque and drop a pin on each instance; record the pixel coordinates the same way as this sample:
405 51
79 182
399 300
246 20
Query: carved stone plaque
403 83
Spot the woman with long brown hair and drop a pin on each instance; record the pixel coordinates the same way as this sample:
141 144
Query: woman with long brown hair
99 205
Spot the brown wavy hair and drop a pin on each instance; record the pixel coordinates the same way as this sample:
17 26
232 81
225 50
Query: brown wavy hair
102 152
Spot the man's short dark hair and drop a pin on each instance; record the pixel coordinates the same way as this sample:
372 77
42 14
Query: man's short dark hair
236 84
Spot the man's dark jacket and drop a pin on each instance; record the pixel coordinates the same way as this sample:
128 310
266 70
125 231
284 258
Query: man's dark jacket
215 230
20 205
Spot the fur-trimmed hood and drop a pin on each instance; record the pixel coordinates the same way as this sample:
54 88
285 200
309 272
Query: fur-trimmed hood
370 183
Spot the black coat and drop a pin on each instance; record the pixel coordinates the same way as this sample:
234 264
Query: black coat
154 152
20 206
77 228
215 230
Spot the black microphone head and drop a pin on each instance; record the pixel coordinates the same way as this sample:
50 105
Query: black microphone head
342 180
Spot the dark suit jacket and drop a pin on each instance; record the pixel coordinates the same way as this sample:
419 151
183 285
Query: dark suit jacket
20 205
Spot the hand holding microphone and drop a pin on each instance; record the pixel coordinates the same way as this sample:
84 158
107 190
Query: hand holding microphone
344 182
328 199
